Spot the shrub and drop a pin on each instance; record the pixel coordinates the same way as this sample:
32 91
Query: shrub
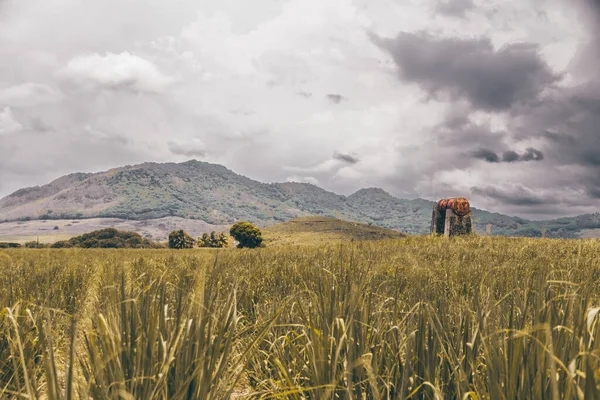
35 245
213 240
180 240
108 238
63 244
5 245
246 234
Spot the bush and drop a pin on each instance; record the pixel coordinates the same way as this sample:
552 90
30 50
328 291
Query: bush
108 238
35 245
180 240
63 244
247 235
5 245
213 240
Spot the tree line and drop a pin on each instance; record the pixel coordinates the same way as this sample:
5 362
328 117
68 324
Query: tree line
245 235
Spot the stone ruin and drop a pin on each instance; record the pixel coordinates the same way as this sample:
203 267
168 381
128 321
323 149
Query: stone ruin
452 217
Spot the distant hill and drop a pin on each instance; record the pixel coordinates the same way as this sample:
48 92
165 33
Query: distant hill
216 195
314 230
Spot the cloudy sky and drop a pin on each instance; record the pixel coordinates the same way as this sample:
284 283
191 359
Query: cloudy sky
495 100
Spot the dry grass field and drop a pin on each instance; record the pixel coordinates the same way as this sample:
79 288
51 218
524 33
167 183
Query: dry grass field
414 317
318 230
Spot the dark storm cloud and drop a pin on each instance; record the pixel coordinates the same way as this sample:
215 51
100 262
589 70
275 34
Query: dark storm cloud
594 191
510 156
335 98
492 80
347 158
457 130
568 122
454 8
532 155
563 121
517 196
486 155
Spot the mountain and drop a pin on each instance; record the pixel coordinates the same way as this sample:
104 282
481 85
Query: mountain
217 196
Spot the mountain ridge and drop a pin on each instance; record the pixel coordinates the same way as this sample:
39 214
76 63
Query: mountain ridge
216 195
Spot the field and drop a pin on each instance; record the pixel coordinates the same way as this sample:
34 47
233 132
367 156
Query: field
318 230
415 317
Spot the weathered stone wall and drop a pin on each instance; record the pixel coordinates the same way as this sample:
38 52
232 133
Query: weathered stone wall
458 225
438 220
452 217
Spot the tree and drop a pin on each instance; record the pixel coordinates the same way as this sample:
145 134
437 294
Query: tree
222 240
213 240
180 240
246 234
35 245
63 244
204 240
108 238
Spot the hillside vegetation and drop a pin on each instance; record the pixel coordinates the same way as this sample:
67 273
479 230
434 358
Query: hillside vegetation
108 238
216 195
417 317
320 230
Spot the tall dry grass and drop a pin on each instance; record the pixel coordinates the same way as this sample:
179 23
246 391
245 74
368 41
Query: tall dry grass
477 318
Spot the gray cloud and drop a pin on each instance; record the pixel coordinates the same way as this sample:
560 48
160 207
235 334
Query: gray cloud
193 148
335 98
486 155
516 196
510 156
8 123
594 191
492 80
454 8
561 120
532 155
347 158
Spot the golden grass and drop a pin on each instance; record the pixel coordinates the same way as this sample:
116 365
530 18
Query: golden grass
417 317
320 230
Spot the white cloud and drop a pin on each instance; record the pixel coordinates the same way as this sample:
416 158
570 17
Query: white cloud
29 94
8 124
302 179
190 148
117 71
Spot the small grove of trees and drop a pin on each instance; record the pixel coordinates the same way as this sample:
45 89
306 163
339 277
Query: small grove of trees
107 238
247 235
213 240
7 245
36 245
180 240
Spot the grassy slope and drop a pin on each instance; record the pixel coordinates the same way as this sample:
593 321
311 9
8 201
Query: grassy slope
319 230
